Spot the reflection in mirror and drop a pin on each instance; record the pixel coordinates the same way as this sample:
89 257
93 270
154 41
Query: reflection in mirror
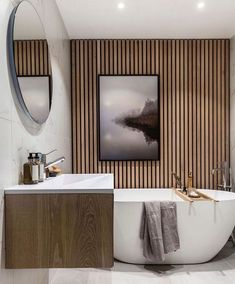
35 89
30 62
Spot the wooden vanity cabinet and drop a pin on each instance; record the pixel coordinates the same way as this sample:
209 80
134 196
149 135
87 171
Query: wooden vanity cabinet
59 230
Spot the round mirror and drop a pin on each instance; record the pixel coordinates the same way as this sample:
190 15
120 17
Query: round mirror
29 62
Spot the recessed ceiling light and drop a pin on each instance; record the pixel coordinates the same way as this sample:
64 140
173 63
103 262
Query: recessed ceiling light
121 5
200 5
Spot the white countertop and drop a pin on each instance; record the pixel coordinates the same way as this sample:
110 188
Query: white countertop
68 183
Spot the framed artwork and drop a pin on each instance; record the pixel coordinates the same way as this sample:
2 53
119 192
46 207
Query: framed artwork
128 117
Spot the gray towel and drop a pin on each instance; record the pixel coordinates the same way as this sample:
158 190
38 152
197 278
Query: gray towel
159 230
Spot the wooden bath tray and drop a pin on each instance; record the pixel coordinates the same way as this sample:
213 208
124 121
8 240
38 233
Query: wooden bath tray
203 196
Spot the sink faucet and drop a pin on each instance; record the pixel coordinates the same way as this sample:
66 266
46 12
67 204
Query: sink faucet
50 164
55 162
44 156
226 175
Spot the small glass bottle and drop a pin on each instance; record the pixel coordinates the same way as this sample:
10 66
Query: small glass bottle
30 171
190 180
190 183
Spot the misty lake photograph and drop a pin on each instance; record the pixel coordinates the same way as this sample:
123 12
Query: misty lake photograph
129 118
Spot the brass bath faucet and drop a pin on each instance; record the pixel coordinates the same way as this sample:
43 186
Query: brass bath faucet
178 182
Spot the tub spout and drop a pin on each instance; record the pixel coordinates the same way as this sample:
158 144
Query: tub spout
178 181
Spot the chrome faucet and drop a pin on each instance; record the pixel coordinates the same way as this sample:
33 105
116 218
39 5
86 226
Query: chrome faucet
44 156
55 162
226 175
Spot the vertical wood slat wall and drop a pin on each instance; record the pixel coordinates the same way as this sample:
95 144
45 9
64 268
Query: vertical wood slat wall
194 107
32 58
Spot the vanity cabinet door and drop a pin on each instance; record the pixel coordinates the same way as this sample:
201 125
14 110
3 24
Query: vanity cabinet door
59 230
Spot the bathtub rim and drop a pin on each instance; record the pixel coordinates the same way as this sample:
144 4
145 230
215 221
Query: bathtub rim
216 194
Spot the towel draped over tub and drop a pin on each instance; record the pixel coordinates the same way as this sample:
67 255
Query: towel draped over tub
159 230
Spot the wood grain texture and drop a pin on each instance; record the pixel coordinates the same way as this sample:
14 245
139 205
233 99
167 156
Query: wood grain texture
32 58
59 230
194 107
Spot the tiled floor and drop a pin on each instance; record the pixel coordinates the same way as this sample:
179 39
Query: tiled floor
220 270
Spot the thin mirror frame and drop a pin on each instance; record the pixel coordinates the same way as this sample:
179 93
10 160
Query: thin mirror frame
12 67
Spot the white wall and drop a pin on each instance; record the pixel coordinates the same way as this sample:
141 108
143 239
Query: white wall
232 108
18 135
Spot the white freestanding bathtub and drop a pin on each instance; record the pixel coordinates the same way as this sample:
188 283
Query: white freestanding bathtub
204 226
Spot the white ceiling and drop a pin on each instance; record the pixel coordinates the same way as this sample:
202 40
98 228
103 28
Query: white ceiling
148 18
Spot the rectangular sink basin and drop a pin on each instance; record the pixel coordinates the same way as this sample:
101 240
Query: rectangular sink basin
68 183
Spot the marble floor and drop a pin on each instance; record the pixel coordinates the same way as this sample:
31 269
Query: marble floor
221 270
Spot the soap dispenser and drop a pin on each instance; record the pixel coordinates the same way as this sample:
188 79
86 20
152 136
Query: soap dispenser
41 168
30 171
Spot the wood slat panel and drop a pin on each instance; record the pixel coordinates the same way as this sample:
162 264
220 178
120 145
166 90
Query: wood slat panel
194 107
74 103
206 89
